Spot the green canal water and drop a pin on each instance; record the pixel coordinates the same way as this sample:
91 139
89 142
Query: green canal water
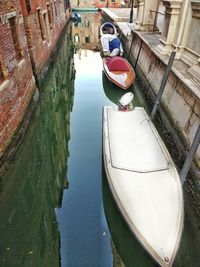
56 208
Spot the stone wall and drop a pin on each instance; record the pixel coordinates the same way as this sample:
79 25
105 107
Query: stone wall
194 32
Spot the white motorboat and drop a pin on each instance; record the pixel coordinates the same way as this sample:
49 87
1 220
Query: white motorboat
108 32
144 182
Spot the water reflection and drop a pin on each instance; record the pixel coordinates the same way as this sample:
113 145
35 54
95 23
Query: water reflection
86 33
33 185
114 93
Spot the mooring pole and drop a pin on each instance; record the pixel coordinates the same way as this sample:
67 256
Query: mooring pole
163 83
138 54
190 156
131 45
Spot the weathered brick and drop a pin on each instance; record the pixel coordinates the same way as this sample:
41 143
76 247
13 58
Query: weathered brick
13 96
42 33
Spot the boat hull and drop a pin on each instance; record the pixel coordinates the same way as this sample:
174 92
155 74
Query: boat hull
122 78
130 250
146 187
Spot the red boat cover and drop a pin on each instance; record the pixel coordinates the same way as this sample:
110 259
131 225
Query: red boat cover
117 64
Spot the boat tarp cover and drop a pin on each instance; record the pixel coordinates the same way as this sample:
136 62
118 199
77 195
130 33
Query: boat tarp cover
117 64
134 146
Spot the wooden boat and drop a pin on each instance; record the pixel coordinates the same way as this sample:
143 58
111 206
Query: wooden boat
119 71
144 182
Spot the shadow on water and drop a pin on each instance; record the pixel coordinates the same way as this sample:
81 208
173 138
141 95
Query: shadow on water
114 93
33 185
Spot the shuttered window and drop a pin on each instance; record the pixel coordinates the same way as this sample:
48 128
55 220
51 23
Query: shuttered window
1 75
40 24
13 29
28 5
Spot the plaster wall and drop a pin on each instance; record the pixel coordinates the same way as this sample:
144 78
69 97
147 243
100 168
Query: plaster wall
194 35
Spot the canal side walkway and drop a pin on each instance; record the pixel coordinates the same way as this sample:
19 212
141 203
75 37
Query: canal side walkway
120 17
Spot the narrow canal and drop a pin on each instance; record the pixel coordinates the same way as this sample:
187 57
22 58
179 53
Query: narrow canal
55 205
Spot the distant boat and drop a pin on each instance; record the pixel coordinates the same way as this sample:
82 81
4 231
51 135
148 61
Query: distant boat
144 182
108 32
119 71
75 17
85 9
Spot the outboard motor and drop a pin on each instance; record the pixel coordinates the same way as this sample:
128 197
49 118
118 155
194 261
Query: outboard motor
125 101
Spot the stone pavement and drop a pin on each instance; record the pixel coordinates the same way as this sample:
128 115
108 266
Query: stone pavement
119 14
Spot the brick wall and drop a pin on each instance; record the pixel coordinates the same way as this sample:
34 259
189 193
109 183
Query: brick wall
17 84
43 24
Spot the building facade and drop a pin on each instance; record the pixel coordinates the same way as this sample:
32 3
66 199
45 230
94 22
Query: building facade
29 33
96 3
17 83
44 21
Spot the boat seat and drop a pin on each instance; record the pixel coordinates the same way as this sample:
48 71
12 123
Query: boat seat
116 64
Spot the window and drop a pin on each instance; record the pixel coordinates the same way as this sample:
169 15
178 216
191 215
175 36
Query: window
28 5
56 12
1 74
41 28
87 39
52 10
50 17
67 4
12 24
46 26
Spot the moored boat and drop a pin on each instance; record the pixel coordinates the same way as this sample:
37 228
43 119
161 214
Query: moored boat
119 71
75 17
108 34
106 27
144 182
